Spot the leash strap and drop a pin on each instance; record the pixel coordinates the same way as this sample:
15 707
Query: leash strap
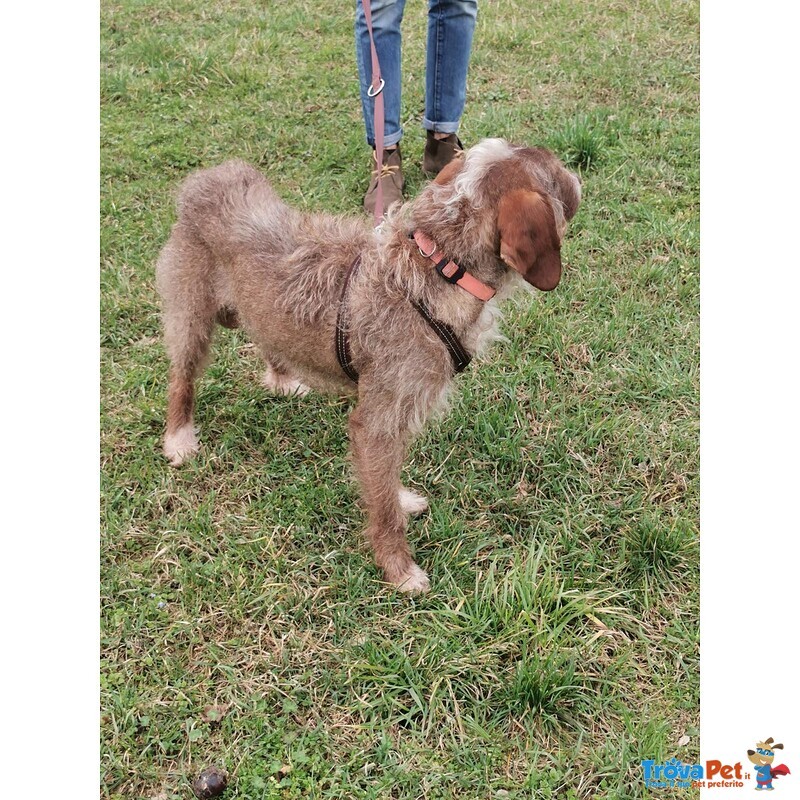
343 352
375 91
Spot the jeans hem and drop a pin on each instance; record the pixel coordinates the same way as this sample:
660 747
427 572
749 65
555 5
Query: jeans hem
440 127
389 139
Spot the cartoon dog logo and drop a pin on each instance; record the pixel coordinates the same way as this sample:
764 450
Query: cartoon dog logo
762 757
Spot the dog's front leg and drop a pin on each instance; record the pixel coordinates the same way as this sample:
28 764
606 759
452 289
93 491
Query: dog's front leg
378 448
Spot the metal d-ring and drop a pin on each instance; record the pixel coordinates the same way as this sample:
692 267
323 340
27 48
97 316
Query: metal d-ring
427 255
370 93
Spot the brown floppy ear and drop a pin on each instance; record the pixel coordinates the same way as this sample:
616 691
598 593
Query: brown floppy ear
449 171
529 240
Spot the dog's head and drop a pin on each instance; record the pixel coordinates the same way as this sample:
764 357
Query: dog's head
514 200
765 752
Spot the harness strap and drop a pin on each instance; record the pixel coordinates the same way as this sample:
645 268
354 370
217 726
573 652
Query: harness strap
343 352
344 355
460 356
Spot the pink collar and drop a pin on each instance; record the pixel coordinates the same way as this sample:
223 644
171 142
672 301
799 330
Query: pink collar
451 271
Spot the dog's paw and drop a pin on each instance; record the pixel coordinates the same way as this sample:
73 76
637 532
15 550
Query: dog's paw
411 502
281 383
181 445
412 581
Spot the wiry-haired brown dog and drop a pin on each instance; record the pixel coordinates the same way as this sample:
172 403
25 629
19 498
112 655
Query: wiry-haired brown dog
239 256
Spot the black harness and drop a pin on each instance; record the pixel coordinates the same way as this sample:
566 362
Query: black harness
458 354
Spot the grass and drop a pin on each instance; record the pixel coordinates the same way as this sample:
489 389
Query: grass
243 623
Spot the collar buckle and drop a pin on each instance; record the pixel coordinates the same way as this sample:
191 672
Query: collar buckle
450 271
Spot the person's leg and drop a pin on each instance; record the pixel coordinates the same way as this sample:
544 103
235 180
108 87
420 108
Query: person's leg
386 18
451 24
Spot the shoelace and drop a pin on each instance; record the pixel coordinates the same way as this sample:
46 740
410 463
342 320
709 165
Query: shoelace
387 170
457 148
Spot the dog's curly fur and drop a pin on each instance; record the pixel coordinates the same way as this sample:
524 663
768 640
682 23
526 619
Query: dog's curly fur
238 255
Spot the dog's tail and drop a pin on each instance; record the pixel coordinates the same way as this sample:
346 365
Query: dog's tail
233 205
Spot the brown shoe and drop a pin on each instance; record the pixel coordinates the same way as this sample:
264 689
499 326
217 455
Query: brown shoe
391 178
439 152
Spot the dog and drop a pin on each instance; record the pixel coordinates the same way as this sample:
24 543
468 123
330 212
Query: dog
762 758
390 315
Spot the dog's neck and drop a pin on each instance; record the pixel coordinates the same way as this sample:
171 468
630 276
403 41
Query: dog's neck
416 277
449 270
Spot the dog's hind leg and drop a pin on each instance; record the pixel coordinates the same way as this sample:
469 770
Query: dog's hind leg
411 502
378 457
278 380
189 318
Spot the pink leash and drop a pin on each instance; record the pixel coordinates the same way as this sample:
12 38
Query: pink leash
376 91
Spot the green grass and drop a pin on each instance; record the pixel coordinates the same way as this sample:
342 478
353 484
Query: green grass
243 623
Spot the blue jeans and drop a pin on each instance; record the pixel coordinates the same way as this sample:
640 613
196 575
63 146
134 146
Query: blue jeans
451 24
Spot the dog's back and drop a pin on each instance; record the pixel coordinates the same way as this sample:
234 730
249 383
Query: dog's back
227 216
232 207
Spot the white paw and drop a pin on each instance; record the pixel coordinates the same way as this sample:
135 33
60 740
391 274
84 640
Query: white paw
281 383
411 502
414 581
181 444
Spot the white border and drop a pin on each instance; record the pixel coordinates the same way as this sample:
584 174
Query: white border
49 54
750 276
749 436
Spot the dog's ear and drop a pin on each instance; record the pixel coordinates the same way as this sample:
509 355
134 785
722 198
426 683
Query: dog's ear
449 171
570 185
529 240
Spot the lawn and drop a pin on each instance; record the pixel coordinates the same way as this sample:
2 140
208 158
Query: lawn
243 623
